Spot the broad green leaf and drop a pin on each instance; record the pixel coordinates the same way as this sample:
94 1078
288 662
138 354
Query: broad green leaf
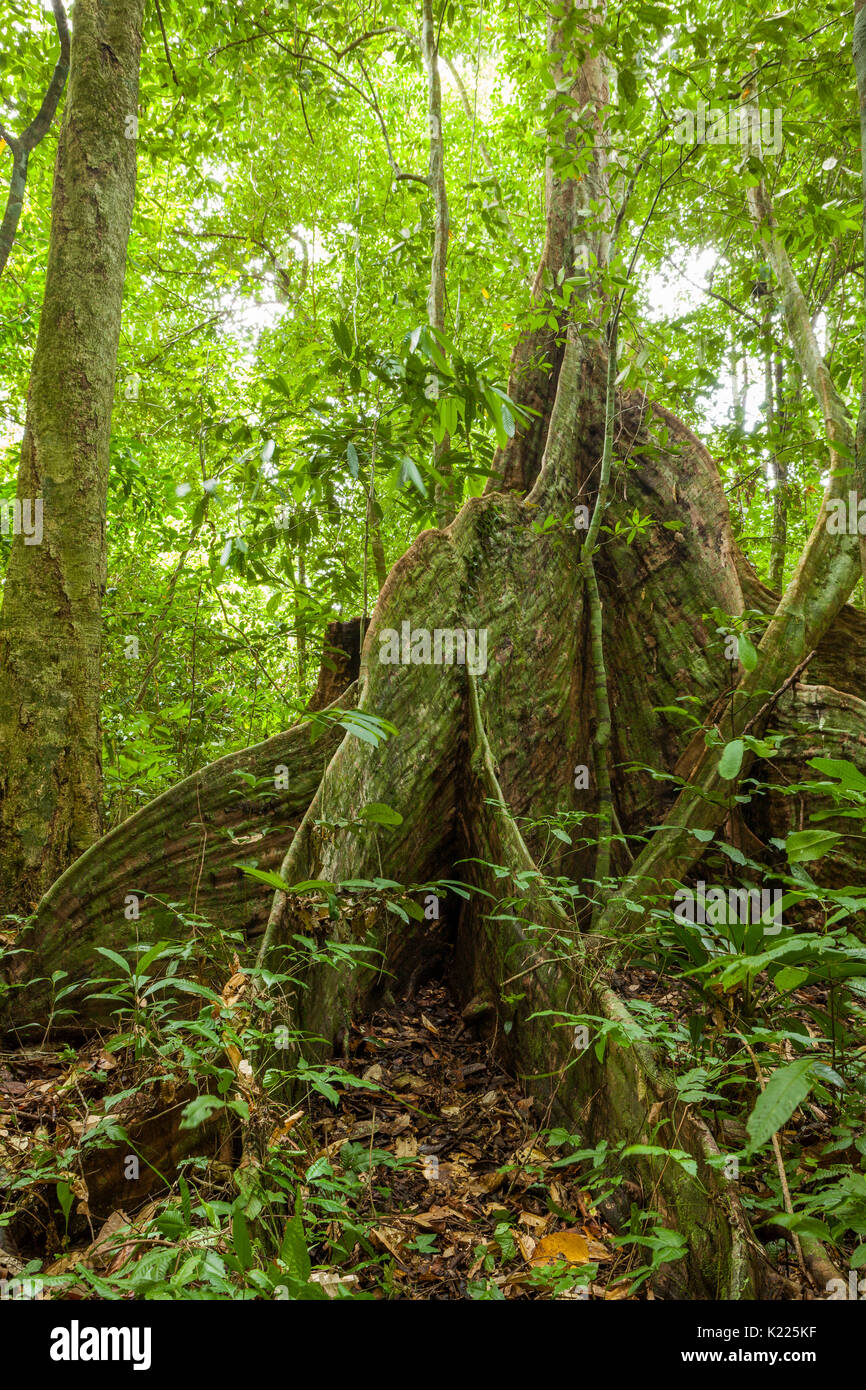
790 977
381 814
786 1089
141 965
804 845
847 773
241 1239
731 760
748 655
264 876
294 1253
118 959
199 1110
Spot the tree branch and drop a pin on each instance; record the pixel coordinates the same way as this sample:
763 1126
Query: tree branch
23 146
165 44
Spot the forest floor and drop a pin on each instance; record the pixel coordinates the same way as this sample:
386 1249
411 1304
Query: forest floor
462 1193
425 1172
452 1189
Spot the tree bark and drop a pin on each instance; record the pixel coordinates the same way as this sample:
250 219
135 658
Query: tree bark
444 493
780 417
859 55
50 754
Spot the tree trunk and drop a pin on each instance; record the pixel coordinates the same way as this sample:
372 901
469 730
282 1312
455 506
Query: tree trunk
50 753
444 493
486 750
779 468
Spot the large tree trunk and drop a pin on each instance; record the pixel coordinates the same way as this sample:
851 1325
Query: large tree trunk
50 637
482 756
513 735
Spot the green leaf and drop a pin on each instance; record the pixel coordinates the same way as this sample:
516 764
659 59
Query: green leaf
199 1110
851 777
65 1196
241 1240
748 655
409 474
731 760
183 987
381 814
362 732
828 1076
294 1253
627 84
342 337
786 1089
264 876
789 977
149 957
118 960
352 459
804 845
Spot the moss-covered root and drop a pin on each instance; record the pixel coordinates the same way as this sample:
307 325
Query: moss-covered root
628 1098
178 855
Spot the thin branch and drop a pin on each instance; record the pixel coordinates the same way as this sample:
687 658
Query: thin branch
373 103
165 44
25 144
370 101
212 318
303 105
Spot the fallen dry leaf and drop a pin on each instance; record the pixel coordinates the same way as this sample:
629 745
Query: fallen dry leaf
535 1223
570 1246
487 1182
527 1245
390 1239
103 1251
433 1219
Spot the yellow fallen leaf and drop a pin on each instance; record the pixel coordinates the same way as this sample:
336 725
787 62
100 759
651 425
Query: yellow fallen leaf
562 1245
